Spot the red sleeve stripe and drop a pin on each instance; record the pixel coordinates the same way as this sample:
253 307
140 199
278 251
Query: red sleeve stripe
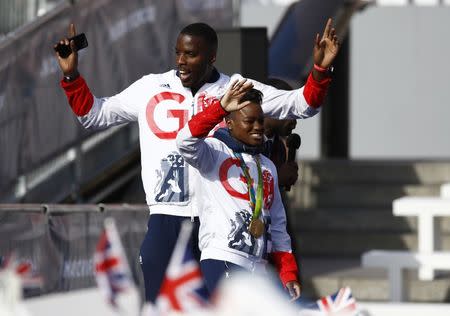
79 96
286 266
203 122
315 91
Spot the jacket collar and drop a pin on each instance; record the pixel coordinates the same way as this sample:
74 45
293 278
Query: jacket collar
215 75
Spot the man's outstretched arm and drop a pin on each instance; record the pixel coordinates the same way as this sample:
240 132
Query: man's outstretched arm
93 112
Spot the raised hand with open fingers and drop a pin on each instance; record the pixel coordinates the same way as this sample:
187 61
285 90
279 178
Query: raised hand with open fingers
69 65
327 47
231 100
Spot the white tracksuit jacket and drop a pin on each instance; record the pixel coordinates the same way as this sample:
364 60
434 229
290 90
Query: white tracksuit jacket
162 106
222 196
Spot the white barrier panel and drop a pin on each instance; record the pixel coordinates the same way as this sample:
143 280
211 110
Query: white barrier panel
85 302
90 302
407 309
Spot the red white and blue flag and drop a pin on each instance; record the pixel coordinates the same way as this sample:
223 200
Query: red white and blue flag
24 270
111 267
182 289
342 303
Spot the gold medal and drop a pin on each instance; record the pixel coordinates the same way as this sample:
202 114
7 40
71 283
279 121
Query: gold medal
256 228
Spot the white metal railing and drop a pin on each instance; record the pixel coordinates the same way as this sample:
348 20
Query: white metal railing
69 162
72 208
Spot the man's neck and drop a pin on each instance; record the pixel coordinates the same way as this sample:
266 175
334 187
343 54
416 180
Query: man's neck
210 77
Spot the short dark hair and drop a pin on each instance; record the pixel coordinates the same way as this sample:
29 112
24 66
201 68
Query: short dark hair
252 95
204 31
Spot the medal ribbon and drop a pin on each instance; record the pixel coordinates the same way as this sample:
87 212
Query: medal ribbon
255 201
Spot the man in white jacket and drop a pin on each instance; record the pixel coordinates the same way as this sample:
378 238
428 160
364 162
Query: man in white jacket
242 217
162 104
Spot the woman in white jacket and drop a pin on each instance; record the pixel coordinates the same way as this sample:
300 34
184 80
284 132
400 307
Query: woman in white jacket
242 218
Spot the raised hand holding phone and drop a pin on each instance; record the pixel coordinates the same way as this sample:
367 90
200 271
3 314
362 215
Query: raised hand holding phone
80 42
68 64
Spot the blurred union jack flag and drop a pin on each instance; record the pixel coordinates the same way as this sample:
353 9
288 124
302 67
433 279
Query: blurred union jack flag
24 269
182 289
111 267
341 303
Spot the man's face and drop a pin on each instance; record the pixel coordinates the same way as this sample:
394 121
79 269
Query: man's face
247 125
282 128
194 59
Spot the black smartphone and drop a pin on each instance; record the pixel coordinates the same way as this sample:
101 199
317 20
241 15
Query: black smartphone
80 42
